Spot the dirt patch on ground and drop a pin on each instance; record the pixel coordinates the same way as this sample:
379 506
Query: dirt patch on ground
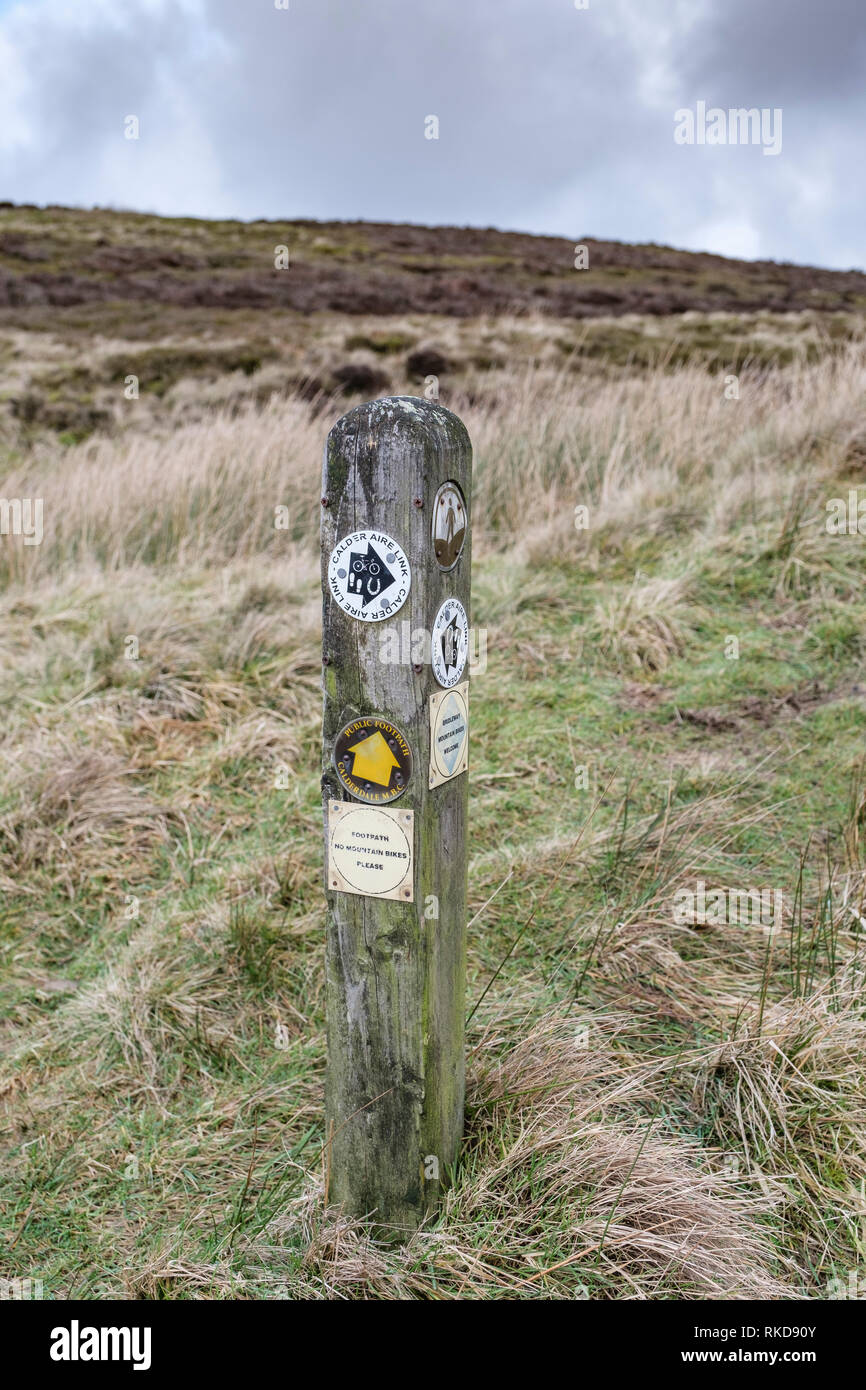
767 710
637 696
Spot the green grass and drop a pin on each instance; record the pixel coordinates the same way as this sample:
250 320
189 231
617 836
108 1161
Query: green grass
175 1105
676 694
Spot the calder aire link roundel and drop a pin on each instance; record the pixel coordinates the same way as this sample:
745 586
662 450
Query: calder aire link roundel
373 760
369 576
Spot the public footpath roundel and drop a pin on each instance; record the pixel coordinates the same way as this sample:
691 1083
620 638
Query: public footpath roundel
450 643
369 576
373 760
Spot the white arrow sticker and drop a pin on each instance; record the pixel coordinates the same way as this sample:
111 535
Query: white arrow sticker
369 576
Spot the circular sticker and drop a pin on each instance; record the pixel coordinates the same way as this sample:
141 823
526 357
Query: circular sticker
449 735
369 576
373 760
449 525
450 644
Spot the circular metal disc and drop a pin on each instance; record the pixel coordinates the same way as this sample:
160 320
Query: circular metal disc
373 760
449 525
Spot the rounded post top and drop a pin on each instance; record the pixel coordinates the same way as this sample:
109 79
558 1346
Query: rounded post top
412 412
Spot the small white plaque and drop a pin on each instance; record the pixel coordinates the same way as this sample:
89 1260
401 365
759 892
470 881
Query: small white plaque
449 733
370 851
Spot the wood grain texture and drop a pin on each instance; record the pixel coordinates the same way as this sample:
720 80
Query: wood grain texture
395 977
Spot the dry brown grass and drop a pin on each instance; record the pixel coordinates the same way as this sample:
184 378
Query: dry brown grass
656 1111
662 451
547 1146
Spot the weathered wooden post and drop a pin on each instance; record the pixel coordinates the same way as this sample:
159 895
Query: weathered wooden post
396 494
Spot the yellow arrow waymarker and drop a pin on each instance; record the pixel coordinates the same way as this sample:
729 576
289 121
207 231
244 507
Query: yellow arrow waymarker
374 761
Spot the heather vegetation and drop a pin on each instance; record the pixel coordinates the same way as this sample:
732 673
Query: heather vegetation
674 695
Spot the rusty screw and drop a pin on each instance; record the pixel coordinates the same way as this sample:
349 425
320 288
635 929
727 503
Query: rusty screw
419 501
417 668
326 661
326 501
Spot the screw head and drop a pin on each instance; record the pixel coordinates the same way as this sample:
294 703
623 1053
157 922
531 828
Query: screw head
417 668
419 501
326 501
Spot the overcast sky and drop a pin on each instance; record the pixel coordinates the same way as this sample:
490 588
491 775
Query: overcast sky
551 119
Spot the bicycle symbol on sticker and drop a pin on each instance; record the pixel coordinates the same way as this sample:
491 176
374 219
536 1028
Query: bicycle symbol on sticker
369 576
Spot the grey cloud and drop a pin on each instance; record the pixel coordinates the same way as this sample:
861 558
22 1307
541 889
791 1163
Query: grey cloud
341 123
552 119
789 52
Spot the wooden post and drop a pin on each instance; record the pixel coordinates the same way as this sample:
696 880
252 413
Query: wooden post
396 964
